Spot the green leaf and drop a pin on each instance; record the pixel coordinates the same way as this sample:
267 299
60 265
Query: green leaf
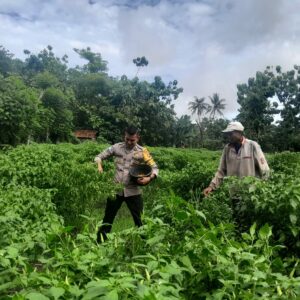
112 295
74 290
12 252
294 231
181 215
187 263
94 292
36 296
155 239
201 214
265 232
252 188
293 218
293 203
252 230
56 292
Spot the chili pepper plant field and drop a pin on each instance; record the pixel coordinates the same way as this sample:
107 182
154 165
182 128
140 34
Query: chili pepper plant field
52 201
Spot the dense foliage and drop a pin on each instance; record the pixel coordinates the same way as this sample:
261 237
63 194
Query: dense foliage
51 202
272 93
42 99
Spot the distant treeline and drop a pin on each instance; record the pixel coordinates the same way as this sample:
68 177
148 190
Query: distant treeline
42 99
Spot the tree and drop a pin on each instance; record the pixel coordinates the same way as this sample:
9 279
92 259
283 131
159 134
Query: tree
287 89
95 62
256 111
45 61
213 135
9 65
199 107
147 105
88 98
183 131
140 62
19 107
5 61
217 105
59 117
258 100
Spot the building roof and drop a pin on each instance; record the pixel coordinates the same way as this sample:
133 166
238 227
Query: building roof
85 134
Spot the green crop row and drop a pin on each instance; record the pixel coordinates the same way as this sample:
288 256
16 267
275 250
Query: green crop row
51 203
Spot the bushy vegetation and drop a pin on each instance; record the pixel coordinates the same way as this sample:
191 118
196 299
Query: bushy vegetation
51 203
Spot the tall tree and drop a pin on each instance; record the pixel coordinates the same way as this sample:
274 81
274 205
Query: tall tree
95 62
45 62
183 131
140 62
217 105
8 64
287 90
19 108
59 123
256 110
5 61
200 108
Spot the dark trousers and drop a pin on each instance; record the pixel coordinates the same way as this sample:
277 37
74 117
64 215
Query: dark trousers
134 204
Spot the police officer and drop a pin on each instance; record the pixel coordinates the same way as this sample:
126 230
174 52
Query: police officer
127 154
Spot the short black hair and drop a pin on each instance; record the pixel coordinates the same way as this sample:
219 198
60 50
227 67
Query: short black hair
131 130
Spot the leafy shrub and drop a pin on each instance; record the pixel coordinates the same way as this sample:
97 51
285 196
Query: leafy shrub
64 168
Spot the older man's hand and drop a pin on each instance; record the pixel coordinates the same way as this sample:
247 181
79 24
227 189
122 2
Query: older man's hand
207 191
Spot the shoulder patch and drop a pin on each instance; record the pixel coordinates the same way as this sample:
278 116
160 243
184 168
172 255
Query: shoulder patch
148 158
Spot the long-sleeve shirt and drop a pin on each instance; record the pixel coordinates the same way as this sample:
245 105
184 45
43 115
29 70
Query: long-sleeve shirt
249 160
124 159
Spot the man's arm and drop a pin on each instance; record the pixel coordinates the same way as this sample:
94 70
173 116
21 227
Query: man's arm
148 160
261 162
104 155
219 176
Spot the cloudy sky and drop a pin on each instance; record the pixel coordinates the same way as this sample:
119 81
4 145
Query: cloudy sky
208 46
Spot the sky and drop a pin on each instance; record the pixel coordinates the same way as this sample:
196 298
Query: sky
208 46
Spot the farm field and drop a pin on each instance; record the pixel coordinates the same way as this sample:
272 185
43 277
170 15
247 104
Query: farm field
52 200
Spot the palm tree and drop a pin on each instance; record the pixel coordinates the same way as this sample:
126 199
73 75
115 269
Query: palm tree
199 107
217 105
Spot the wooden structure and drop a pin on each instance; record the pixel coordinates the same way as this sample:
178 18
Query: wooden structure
85 134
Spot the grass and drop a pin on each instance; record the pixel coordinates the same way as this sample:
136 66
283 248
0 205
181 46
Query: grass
123 219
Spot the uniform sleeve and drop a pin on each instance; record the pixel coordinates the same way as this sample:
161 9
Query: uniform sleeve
150 161
221 173
105 154
261 162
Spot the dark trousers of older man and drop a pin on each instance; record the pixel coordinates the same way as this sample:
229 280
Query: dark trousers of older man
135 206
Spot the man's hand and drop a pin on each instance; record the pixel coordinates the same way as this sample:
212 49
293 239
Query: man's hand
144 180
207 191
100 169
98 161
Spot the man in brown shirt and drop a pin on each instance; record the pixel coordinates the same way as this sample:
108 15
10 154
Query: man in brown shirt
127 154
240 158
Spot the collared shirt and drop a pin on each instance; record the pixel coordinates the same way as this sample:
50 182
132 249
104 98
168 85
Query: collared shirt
124 159
248 161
